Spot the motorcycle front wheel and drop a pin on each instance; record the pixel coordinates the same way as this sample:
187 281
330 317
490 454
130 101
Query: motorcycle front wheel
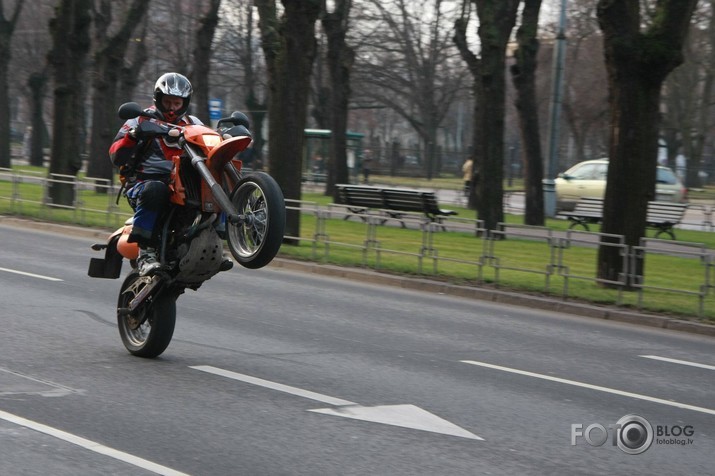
147 331
256 241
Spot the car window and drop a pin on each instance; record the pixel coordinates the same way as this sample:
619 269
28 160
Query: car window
600 172
585 172
666 176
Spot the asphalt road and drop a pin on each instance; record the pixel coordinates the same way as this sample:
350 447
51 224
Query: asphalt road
274 372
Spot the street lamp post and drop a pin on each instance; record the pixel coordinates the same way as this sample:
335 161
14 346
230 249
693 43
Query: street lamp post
555 116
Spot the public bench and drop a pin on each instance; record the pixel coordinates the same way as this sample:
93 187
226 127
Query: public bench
661 216
393 201
587 210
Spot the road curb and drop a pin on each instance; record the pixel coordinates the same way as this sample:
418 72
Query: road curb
426 285
497 296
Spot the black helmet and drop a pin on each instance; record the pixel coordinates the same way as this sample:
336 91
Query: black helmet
172 84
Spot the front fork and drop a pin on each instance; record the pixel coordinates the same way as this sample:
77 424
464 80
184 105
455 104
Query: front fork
199 163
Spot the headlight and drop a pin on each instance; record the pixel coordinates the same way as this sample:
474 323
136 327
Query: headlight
211 140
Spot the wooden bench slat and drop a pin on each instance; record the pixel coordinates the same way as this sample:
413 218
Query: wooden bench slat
663 216
391 199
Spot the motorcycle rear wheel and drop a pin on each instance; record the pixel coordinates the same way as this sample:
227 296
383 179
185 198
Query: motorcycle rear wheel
256 242
150 338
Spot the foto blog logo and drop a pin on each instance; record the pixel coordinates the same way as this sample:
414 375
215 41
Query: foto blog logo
633 434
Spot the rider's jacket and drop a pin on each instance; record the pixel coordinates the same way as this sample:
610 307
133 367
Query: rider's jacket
156 159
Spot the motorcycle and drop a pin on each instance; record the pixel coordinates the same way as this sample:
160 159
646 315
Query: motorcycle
210 201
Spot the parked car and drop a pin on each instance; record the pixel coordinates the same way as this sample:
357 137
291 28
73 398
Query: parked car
588 179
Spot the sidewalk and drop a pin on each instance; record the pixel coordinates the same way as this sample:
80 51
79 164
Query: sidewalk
422 285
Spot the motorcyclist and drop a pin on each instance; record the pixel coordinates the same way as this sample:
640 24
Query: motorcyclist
146 163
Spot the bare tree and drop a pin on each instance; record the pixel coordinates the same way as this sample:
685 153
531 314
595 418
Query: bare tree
524 77
129 73
7 27
641 50
256 102
202 59
496 22
71 44
688 92
108 58
585 102
237 48
30 47
411 66
172 25
341 58
289 46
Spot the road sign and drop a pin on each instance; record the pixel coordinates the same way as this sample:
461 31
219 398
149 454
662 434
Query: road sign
215 108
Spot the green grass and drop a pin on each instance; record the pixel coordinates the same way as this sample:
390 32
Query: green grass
522 264
515 263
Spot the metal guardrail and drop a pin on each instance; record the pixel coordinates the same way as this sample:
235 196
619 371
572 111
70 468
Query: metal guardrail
16 196
569 257
489 260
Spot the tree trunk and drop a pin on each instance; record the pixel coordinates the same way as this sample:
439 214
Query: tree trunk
340 62
7 27
109 55
71 42
523 75
637 65
256 107
37 83
474 65
497 20
129 73
289 46
202 61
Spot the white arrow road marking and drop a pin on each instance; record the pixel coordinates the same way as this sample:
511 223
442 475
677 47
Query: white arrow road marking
406 416
682 362
593 387
39 276
90 445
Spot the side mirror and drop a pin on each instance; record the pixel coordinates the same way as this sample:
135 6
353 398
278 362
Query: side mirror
129 110
240 119
237 131
236 119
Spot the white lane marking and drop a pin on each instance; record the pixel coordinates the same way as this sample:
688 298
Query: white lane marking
676 361
90 445
405 416
39 276
273 385
593 387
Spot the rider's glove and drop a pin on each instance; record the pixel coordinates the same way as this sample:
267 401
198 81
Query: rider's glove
145 130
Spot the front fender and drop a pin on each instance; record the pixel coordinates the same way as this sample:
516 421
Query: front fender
220 155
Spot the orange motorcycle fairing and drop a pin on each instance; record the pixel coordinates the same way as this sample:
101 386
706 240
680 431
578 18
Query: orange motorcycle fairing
126 249
202 136
177 191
